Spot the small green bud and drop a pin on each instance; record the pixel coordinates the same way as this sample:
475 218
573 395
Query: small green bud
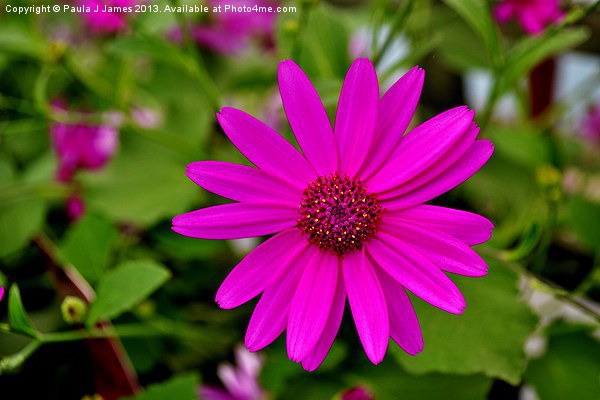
56 50
548 176
73 309
290 26
146 309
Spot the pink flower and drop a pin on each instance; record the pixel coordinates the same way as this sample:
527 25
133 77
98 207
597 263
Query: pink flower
590 126
357 393
1 293
80 146
241 383
347 214
105 22
232 32
534 15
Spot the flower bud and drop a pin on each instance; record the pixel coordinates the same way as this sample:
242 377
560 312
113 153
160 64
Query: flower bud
73 309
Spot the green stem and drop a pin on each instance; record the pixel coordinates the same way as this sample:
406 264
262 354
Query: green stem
197 68
15 104
591 280
397 24
490 103
305 7
543 283
48 190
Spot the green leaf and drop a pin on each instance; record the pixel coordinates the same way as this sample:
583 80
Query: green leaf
458 48
580 214
524 146
387 380
19 221
151 46
533 49
143 184
477 14
17 316
20 39
488 338
569 369
180 387
512 209
184 247
125 287
324 52
87 246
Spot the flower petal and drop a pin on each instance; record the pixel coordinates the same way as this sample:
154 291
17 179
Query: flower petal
235 221
404 324
472 161
415 272
241 183
368 305
422 147
504 11
319 352
259 268
212 393
446 252
357 115
450 158
265 148
468 227
307 117
312 303
270 316
396 109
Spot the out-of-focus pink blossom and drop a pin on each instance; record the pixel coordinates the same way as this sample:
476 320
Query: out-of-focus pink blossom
81 146
357 393
1 293
75 207
533 15
590 127
106 16
273 115
241 382
232 32
146 118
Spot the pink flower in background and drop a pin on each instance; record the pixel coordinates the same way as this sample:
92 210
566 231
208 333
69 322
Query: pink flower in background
81 146
357 393
533 15
347 214
240 383
103 22
1 293
231 32
590 127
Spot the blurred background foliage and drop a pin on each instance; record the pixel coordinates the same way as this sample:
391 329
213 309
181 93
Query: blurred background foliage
531 326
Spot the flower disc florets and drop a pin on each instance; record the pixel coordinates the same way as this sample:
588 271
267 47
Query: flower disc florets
338 214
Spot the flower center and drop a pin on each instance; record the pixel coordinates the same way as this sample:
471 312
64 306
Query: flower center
338 214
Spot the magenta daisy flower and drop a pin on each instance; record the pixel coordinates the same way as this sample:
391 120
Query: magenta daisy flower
347 214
